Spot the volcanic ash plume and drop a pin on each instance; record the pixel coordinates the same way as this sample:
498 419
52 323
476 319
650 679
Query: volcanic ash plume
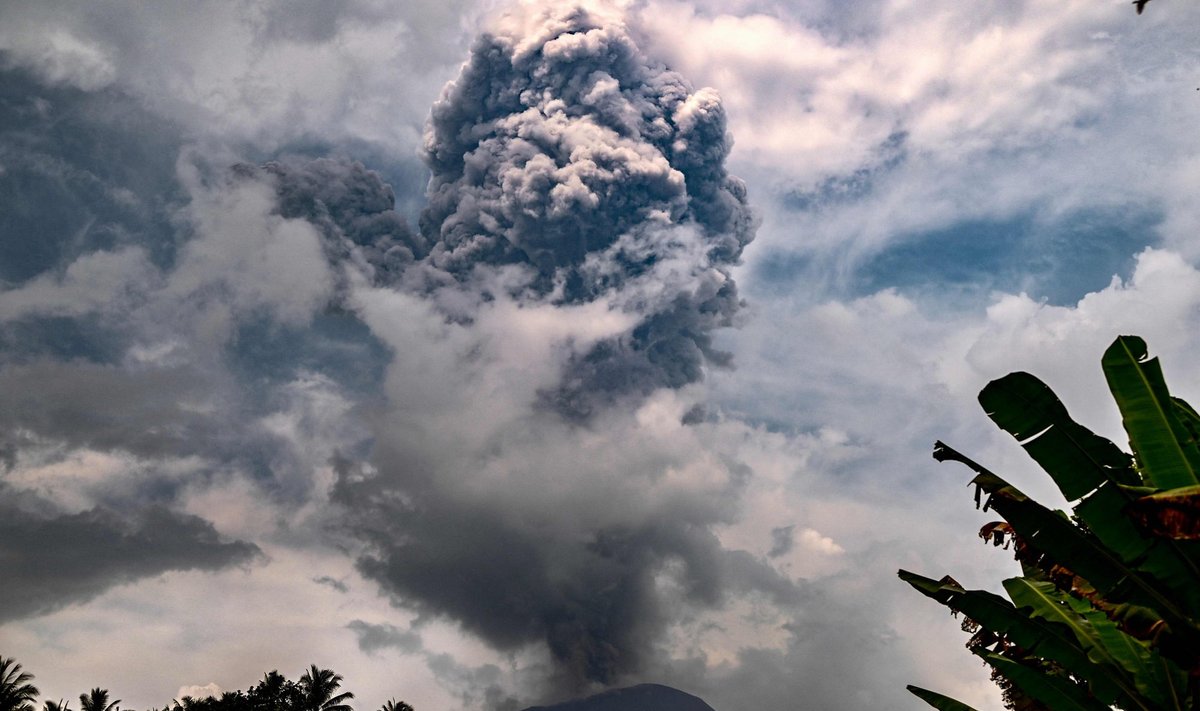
532 477
565 151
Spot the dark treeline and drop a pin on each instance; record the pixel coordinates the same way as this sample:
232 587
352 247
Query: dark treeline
316 690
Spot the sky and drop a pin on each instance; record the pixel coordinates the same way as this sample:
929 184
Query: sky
495 352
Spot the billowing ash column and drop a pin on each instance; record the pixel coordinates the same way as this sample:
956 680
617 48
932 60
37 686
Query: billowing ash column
561 148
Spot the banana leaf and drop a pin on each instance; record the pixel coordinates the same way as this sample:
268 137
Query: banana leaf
1110 513
1052 534
1085 464
938 701
1058 539
1188 417
1167 453
1173 514
1148 680
1057 693
1036 636
1075 457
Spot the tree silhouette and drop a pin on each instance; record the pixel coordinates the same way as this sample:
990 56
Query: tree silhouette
317 688
16 693
274 693
97 700
231 700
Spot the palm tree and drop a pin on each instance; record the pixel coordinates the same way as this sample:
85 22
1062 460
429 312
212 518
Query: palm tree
317 687
16 693
59 705
97 700
393 705
274 693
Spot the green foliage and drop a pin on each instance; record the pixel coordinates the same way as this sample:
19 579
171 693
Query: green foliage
16 691
1107 610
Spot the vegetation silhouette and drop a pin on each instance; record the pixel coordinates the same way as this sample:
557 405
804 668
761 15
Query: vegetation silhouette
1106 612
315 690
97 700
16 691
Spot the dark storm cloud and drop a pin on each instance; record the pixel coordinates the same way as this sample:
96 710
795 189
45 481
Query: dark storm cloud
54 560
569 152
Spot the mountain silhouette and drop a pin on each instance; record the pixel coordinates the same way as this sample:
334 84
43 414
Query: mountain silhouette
643 697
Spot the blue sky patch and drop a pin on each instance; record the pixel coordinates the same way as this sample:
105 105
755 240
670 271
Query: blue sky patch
1059 260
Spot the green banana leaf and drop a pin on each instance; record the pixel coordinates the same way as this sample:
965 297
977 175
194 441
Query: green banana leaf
1149 681
1166 451
1107 613
1110 512
1188 417
1052 534
1075 457
1055 692
1155 677
1085 464
1049 641
938 701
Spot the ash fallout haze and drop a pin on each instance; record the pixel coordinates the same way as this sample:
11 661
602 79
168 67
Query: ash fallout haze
497 353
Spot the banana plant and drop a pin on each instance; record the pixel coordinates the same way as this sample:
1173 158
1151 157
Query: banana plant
1106 612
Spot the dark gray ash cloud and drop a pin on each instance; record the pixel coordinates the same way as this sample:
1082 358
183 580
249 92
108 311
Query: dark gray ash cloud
52 559
591 596
353 208
567 169
570 153
81 171
110 279
331 582
107 408
782 541
373 638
